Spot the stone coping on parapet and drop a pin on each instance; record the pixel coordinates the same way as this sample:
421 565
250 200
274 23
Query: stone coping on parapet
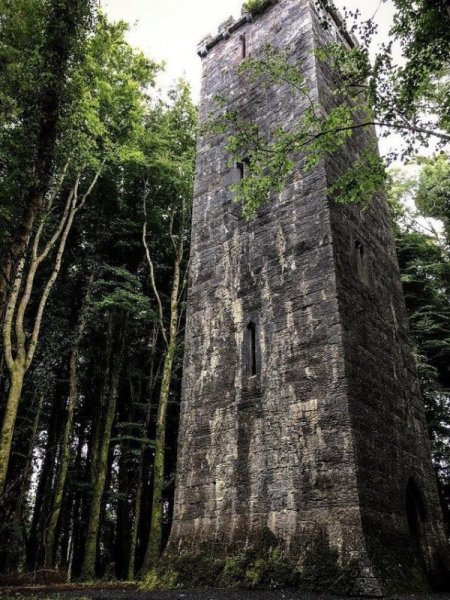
231 25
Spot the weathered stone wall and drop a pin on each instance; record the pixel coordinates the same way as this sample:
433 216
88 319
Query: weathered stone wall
306 442
387 414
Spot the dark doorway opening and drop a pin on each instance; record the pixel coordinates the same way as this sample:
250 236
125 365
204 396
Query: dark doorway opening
416 515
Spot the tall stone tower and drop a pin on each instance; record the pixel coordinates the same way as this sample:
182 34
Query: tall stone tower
301 410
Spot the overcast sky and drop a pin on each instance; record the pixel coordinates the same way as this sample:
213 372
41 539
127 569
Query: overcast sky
170 30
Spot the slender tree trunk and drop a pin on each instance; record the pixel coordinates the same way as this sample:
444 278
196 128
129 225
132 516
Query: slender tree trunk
9 421
25 346
64 529
135 524
124 516
29 462
90 552
139 487
50 534
76 514
138 498
43 489
156 524
170 337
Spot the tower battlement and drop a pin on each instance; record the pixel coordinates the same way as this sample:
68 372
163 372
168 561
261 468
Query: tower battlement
231 25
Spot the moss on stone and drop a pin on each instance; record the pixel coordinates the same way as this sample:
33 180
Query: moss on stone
324 570
263 564
256 7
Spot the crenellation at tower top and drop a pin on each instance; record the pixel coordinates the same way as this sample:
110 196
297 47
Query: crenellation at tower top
231 25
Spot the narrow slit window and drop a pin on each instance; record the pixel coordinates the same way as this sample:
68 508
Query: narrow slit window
361 261
242 167
243 46
359 250
251 341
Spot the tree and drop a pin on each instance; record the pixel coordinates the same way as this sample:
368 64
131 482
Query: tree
411 99
99 377
60 483
19 352
174 187
102 129
424 258
34 97
121 298
433 191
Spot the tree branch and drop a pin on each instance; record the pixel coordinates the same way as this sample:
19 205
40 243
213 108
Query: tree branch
152 274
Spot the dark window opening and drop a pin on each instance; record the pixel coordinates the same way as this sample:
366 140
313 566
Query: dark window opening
251 341
359 249
244 45
361 260
416 516
242 167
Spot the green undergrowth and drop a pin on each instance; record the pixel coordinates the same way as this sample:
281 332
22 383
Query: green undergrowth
262 565
256 7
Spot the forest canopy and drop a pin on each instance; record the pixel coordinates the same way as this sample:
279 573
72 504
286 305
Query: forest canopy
97 175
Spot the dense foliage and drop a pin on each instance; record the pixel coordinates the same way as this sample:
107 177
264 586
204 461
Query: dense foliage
94 297
421 217
411 99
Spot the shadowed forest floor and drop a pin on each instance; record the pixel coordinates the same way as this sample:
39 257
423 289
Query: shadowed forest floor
188 595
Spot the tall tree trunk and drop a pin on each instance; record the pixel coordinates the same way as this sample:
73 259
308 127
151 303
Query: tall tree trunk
156 524
157 516
50 534
43 489
77 513
135 523
19 348
140 475
90 551
9 421
124 518
26 484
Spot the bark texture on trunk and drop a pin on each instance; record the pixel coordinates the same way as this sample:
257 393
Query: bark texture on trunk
154 546
99 471
50 534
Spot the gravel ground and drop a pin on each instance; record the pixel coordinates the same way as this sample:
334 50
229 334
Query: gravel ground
194 595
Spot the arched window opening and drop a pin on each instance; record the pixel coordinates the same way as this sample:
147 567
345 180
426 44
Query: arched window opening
251 349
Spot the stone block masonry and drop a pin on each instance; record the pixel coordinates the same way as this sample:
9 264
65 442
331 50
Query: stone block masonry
301 410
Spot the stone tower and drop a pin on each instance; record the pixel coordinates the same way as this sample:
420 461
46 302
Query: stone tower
301 409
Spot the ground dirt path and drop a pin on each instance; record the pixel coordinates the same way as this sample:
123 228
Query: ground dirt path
130 594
